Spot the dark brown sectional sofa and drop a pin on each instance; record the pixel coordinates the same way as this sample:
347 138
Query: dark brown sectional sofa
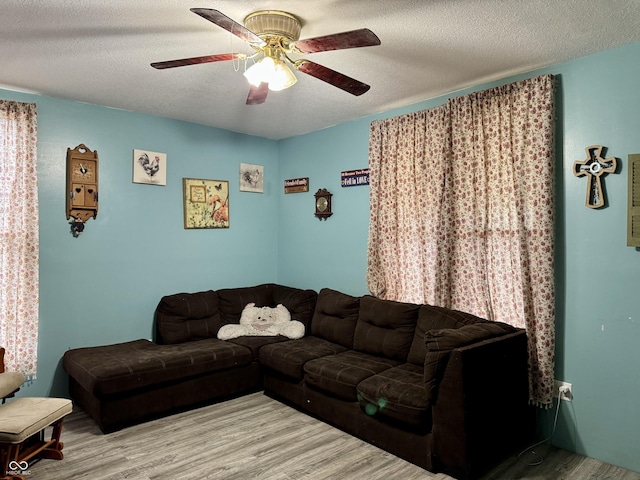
443 389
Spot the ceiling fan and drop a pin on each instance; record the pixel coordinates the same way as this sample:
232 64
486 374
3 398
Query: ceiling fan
274 35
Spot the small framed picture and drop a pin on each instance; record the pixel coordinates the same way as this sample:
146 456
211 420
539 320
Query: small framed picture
206 203
251 178
149 167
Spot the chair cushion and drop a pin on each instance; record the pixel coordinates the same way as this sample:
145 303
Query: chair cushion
340 374
25 416
10 382
288 358
127 366
397 393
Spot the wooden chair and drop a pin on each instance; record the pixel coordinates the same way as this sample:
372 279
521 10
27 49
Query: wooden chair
22 424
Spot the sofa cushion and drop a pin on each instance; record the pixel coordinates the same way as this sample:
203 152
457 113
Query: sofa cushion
255 344
121 367
431 317
440 343
288 358
339 374
187 316
397 393
385 327
233 300
335 317
300 303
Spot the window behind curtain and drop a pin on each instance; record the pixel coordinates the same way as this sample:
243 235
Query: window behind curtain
462 212
19 236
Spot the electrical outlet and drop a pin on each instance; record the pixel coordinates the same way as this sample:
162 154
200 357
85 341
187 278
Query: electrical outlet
563 390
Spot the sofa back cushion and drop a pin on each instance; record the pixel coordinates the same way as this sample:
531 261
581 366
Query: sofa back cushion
184 317
233 300
385 327
187 316
335 317
432 317
300 303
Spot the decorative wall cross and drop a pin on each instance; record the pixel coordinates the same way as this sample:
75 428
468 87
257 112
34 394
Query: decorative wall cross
594 166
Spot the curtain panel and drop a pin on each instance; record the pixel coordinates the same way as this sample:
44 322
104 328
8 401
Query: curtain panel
462 212
19 235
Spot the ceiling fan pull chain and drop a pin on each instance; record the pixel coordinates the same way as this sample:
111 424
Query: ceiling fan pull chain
236 56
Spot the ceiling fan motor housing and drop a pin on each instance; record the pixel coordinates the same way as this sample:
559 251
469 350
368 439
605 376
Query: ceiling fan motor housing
268 23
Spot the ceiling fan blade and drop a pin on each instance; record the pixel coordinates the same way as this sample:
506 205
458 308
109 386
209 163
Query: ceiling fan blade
258 95
338 41
228 24
337 79
194 61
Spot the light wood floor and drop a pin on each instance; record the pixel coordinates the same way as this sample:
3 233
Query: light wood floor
255 437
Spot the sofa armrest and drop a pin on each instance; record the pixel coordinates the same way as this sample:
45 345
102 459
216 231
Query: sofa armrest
482 411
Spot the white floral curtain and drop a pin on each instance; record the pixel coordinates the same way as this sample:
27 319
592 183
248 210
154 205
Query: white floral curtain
19 236
462 212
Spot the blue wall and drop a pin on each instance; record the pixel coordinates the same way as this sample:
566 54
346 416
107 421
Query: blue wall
103 286
331 253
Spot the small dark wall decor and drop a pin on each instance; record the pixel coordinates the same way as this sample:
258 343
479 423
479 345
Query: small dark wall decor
323 204
354 178
594 167
296 185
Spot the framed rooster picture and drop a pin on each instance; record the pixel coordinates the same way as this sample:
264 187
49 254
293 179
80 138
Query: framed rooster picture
149 167
206 203
251 178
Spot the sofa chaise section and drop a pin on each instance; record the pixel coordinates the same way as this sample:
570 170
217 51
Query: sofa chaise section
126 383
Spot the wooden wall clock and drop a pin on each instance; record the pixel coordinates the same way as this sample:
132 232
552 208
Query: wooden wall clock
323 204
82 187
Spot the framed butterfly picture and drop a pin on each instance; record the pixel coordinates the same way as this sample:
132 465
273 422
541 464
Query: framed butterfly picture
206 203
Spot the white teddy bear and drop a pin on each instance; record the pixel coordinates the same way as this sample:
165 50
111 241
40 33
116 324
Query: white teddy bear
263 321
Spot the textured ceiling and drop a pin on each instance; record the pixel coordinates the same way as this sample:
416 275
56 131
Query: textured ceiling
99 52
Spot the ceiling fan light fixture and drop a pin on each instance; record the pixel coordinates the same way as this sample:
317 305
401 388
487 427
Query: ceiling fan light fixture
272 71
260 72
282 77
